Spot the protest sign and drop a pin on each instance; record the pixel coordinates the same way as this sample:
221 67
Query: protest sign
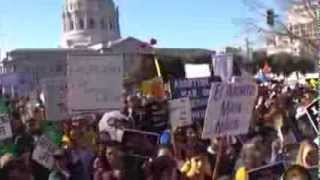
20 84
140 143
43 152
55 92
197 89
154 88
269 172
5 128
180 112
313 114
229 109
94 82
158 113
223 66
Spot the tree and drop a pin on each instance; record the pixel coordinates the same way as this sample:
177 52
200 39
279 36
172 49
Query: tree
281 28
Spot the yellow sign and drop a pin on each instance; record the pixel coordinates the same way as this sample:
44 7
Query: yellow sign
154 87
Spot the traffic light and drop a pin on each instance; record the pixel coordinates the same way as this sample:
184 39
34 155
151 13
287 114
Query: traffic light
270 17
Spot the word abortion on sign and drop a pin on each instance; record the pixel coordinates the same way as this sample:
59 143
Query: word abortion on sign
197 89
229 109
180 112
313 114
97 80
5 129
43 152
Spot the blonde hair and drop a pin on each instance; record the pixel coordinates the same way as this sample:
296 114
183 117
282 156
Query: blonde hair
5 159
304 149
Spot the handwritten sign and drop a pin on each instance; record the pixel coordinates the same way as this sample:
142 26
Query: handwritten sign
94 82
153 88
197 89
313 114
43 152
229 109
180 112
5 129
55 92
269 172
158 114
223 66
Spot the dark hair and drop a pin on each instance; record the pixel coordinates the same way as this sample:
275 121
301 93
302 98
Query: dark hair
303 171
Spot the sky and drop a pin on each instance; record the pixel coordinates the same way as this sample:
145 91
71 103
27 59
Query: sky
207 24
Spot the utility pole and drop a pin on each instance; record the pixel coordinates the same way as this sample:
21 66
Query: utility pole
248 49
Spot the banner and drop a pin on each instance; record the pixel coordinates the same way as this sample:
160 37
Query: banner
21 83
43 152
229 109
269 172
94 82
55 95
198 90
5 128
180 112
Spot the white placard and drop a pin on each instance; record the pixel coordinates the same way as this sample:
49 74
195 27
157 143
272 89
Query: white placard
55 96
5 130
229 109
94 82
223 66
43 152
180 112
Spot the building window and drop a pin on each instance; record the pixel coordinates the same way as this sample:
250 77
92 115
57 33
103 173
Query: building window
71 25
81 24
59 68
91 23
110 26
102 24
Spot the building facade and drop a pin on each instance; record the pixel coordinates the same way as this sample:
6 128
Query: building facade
302 33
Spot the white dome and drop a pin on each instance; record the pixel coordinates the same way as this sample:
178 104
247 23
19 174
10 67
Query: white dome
88 22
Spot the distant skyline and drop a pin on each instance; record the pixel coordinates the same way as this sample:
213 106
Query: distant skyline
177 24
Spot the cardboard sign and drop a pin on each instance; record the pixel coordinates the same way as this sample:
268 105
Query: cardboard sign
313 114
180 112
55 92
223 66
43 152
229 109
269 172
94 82
154 87
159 115
5 129
140 143
197 89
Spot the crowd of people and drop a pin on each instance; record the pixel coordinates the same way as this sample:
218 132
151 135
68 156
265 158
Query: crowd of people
279 131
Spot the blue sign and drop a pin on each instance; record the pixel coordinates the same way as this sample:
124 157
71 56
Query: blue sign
198 90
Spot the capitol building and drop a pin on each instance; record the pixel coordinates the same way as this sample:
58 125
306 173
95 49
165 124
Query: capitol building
89 22
89 28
